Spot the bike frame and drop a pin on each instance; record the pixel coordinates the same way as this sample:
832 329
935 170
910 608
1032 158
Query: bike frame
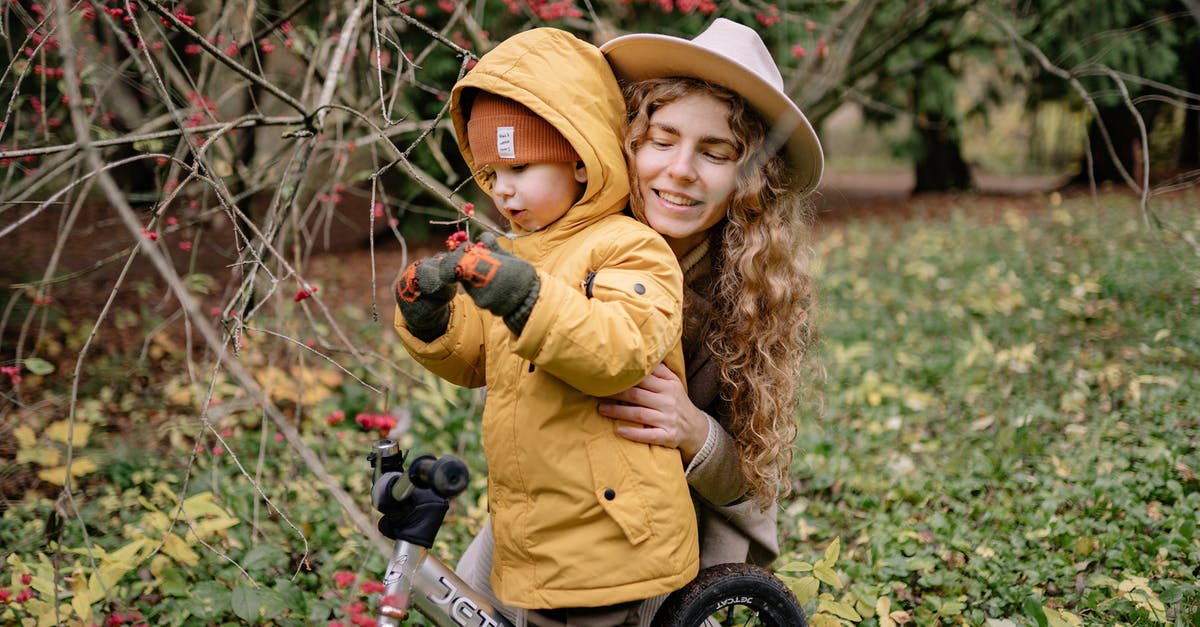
417 579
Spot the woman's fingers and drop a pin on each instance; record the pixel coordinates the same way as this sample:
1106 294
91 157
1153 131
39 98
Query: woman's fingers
641 424
627 412
648 410
661 371
645 435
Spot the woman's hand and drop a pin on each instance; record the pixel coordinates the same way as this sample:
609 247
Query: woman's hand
660 413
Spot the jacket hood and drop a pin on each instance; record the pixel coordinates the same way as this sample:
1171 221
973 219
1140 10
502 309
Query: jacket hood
567 82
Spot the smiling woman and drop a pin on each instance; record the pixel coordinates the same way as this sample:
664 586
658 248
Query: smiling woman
721 162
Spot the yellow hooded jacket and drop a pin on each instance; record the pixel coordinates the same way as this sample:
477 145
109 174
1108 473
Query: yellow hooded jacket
582 517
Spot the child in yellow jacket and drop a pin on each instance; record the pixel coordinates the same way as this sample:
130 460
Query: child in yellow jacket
581 302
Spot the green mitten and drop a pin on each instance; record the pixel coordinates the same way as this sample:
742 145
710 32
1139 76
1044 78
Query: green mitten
424 290
499 281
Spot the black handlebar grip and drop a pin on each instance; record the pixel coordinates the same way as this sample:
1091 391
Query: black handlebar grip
447 476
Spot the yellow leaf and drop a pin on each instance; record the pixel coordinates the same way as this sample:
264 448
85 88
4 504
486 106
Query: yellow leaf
330 378
823 620
157 564
839 609
1061 618
202 504
205 527
805 589
275 382
163 492
883 609
832 552
154 522
47 455
26 438
795 566
114 565
178 393
82 603
59 431
179 550
826 575
1130 584
58 476
45 611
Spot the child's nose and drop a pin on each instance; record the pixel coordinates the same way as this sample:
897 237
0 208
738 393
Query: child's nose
503 187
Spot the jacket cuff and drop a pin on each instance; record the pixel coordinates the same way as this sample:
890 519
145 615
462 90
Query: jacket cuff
431 329
706 449
715 472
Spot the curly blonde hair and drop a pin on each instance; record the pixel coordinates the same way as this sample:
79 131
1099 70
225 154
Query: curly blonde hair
763 289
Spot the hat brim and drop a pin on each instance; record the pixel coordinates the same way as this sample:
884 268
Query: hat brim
644 56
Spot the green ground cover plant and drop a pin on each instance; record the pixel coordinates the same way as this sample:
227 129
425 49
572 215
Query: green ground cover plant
1006 434
1010 427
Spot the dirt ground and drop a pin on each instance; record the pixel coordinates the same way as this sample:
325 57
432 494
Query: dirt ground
842 197
350 265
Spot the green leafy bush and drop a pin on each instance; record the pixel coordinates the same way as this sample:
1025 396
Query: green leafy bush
1006 436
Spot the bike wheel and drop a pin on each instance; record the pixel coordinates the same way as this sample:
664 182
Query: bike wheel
732 594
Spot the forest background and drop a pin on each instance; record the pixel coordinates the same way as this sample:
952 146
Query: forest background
203 206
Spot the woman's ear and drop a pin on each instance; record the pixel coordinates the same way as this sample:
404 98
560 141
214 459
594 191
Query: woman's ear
580 172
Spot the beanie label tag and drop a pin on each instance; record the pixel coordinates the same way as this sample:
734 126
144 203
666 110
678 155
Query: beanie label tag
505 142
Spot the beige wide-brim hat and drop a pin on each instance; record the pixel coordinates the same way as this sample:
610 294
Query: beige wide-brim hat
733 56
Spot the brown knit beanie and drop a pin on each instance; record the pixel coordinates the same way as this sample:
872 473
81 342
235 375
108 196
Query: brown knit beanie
501 130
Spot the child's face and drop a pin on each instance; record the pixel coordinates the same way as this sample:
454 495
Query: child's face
534 195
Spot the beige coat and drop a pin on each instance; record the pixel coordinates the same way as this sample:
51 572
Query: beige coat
582 517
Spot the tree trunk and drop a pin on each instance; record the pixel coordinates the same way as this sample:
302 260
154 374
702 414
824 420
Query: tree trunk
941 166
1126 140
1189 150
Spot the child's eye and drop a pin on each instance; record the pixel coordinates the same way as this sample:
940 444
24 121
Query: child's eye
520 167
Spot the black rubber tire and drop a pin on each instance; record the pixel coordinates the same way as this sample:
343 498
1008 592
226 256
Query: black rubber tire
750 594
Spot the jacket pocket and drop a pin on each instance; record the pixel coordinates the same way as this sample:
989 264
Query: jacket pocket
618 489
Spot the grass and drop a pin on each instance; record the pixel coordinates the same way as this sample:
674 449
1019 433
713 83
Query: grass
1006 435
1009 429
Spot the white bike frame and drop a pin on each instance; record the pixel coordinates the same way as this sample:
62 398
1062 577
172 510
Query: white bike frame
414 577
417 579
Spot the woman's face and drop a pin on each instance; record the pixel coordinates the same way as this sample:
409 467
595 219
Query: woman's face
687 169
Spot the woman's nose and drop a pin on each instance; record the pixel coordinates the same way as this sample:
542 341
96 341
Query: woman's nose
682 166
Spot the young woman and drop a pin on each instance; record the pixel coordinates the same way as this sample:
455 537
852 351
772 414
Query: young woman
720 162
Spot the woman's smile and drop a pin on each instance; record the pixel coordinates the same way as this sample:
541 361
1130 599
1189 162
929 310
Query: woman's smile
676 199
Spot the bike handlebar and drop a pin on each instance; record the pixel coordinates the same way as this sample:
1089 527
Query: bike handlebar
447 476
